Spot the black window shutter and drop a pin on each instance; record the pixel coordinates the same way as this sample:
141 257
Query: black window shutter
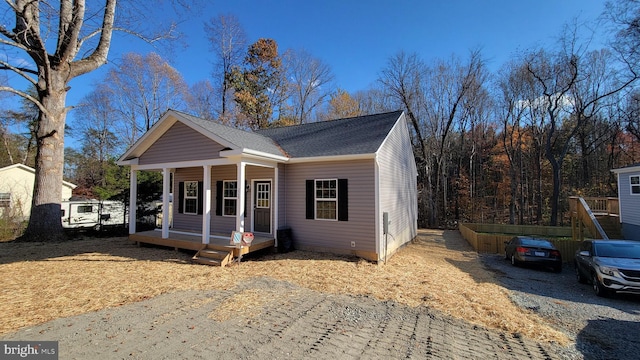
219 198
246 197
310 200
180 196
200 198
343 200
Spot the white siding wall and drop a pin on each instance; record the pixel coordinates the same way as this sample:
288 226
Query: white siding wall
18 182
181 143
324 234
398 188
629 203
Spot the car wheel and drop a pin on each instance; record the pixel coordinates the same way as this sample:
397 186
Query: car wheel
598 288
581 279
514 262
506 256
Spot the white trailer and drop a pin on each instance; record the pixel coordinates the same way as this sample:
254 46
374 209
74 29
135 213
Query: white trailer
92 214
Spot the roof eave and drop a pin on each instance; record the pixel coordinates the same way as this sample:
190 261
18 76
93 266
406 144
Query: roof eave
627 169
348 157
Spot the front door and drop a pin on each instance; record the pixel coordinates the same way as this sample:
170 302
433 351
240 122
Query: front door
262 207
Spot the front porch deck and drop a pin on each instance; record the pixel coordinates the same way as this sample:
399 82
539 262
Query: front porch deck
219 242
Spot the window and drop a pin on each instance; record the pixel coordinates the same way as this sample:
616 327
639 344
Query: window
230 197
635 184
82 209
327 199
5 200
191 197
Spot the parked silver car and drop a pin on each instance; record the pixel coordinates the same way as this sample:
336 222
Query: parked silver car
610 265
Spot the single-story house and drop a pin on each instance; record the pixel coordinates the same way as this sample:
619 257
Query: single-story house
16 189
333 184
629 200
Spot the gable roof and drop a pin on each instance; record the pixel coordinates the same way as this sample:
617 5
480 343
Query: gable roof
239 139
349 136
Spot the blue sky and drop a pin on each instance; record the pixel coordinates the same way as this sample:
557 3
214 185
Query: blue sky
356 38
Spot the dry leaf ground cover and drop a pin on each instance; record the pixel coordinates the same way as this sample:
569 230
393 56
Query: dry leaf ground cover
41 281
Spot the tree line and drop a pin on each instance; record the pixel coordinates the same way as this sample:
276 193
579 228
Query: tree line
507 145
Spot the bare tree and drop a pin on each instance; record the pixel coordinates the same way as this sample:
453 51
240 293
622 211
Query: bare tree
575 84
83 33
142 88
201 101
309 82
229 43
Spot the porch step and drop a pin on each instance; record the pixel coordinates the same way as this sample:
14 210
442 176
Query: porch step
212 257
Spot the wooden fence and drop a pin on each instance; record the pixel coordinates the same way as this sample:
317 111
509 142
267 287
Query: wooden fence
490 238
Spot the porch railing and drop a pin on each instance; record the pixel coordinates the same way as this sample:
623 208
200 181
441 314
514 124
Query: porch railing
584 212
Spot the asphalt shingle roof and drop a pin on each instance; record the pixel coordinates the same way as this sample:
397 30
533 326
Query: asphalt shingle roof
240 138
350 136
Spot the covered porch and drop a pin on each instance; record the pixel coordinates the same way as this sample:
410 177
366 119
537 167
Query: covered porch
193 241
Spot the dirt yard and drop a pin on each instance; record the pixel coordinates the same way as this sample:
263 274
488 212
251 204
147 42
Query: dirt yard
42 282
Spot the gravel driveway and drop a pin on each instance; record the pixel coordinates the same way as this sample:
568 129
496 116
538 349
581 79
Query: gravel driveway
603 328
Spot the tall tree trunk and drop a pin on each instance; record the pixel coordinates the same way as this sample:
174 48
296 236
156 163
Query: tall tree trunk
47 190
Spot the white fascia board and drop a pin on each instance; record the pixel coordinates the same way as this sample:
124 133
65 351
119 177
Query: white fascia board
332 158
393 128
133 161
253 154
627 169
183 164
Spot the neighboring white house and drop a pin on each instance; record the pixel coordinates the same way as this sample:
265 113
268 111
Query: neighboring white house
629 199
16 189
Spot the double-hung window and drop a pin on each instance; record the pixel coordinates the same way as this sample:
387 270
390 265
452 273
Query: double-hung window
230 197
191 197
5 200
635 184
326 199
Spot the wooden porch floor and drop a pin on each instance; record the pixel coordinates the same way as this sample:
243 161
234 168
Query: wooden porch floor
220 242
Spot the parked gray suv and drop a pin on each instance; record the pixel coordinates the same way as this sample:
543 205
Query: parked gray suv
610 265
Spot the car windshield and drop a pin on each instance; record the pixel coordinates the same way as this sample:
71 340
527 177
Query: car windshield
626 251
536 243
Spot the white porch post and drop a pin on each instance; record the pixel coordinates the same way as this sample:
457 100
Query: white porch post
166 177
275 201
133 195
241 197
206 212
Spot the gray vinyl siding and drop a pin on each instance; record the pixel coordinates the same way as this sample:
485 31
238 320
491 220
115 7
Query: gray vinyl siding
186 222
219 224
326 234
398 188
629 203
180 143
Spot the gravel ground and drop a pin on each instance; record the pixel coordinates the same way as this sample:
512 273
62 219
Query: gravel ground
298 323
603 328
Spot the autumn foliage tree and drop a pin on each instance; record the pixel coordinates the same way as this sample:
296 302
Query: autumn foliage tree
258 84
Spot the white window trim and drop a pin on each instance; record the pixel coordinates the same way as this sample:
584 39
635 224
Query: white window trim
6 199
187 197
316 199
631 185
224 197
